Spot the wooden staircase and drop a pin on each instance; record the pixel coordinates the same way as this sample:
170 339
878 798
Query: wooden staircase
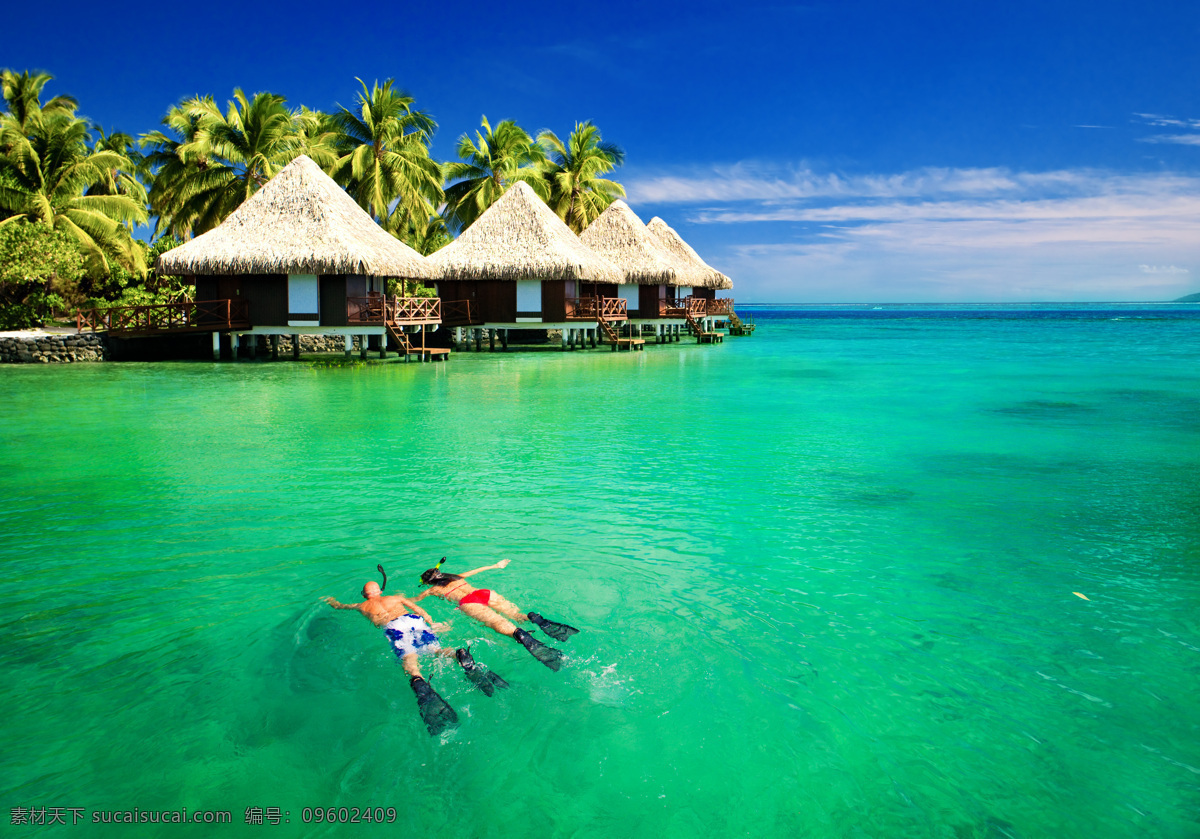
737 326
697 327
614 337
406 347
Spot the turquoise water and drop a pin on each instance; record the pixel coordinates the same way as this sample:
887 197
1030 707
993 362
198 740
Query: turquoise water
825 577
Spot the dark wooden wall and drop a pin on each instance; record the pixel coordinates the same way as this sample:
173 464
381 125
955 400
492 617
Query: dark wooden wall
331 290
554 301
266 294
648 297
494 301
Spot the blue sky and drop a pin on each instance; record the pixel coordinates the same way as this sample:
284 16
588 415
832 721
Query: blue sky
840 151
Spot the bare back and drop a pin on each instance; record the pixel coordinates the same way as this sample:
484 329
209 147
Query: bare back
453 592
380 610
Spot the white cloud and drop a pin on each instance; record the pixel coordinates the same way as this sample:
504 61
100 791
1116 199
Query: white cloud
758 182
938 234
1178 139
1169 122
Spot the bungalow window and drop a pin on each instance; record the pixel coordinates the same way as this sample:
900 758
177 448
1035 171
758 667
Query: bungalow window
303 300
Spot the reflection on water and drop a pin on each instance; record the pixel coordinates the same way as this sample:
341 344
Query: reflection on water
825 580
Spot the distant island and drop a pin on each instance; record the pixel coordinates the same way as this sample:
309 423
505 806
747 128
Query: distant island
1191 298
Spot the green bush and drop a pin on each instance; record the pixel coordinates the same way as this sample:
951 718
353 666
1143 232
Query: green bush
40 269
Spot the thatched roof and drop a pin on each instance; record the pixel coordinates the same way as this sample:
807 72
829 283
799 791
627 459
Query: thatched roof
709 277
300 222
620 236
517 238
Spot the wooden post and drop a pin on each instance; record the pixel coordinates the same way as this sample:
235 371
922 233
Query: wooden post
348 344
564 338
504 339
274 347
216 346
233 344
592 333
383 346
491 340
479 339
362 347
295 348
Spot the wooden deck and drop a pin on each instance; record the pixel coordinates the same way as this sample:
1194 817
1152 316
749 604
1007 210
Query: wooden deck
394 311
169 318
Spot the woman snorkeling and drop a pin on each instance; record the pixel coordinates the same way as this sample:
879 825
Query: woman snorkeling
494 611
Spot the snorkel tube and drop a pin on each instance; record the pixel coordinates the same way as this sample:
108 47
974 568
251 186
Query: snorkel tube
436 569
384 573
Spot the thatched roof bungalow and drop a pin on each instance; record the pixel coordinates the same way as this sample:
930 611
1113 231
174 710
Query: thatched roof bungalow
651 271
707 276
709 279
519 265
298 251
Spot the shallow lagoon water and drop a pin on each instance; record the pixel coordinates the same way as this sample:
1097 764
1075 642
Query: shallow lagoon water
825 577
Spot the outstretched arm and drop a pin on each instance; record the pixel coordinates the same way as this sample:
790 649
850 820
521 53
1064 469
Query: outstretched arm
501 564
337 605
415 609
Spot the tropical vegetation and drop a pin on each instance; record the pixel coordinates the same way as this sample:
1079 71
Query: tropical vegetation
577 192
489 165
84 211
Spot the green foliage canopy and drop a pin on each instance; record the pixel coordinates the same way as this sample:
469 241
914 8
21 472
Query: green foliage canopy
39 266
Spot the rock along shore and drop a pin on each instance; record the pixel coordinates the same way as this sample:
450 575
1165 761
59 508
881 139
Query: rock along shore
48 348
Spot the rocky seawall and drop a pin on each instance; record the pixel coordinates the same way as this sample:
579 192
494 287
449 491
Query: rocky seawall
43 348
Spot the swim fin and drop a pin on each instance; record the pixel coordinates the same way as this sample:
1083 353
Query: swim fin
548 656
438 715
477 674
557 631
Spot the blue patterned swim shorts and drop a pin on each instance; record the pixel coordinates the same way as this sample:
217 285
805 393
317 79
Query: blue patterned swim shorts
410 634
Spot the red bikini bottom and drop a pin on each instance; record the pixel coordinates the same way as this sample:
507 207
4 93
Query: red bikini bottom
479 595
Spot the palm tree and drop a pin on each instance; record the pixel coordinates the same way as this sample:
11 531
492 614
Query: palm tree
427 235
120 181
577 192
489 166
317 137
47 173
384 161
23 92
213 161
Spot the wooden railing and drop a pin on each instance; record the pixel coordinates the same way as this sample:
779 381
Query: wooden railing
597 308
614 308
457 313
720 306
367 309
184 316
671 308
413 310
581 308
695 306
376 308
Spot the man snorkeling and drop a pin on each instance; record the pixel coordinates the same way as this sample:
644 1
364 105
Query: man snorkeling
410 630
494 611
